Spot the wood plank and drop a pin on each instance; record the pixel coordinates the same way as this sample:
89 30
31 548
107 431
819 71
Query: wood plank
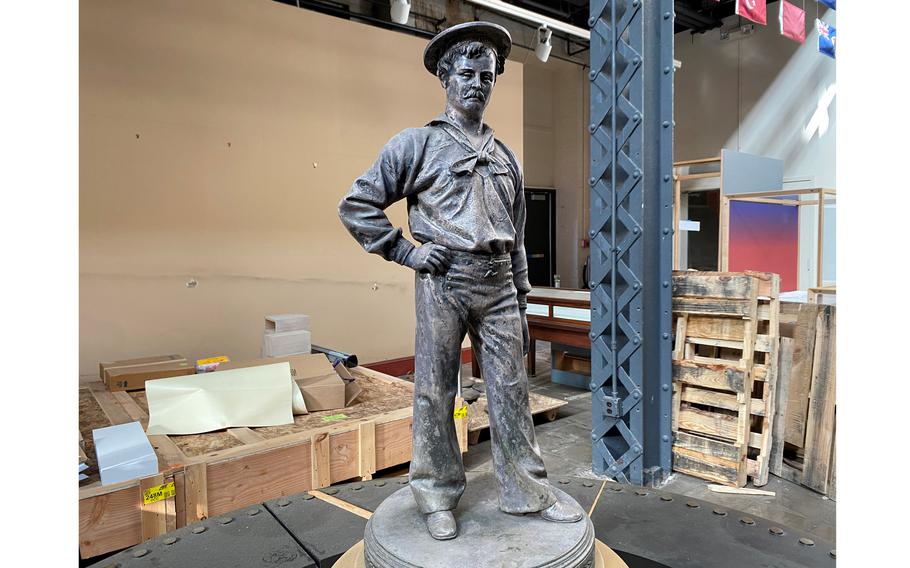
109 405
707 446
393 442
727 401
778 425
109 521
693 162
740 490
725 343
248 480
246 435
730 329
732 286
366 454
710 423
695 464
769 391
832 477
713 307
820 428
461 424
153 516
321 460
676 402
195 493
179 513
682 331
722 377
344 455
801 375
353 509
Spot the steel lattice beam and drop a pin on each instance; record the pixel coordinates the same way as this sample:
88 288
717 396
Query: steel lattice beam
631 238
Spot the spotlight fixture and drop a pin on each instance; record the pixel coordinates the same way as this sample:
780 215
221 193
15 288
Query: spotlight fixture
400 10
542 51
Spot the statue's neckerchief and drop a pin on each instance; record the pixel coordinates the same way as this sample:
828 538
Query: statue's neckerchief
473 157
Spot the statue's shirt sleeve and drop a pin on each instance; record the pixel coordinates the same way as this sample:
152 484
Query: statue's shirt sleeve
389 179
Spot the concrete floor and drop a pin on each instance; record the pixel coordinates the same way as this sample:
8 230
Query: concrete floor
566 448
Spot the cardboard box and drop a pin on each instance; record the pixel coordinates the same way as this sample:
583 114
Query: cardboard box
285 343
131 374
287 322
322 386
124 453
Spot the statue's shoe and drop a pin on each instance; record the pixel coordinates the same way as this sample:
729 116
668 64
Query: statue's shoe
441 525
560 512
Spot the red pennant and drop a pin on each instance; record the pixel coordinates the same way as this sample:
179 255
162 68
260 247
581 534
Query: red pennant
792 22
755 10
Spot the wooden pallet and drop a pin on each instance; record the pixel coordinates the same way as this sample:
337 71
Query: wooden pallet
479 420
804 441
725 361
218 472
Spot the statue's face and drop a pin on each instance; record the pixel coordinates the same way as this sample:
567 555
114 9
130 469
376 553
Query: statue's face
469 84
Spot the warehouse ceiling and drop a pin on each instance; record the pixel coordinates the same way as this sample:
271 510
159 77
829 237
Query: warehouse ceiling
695 16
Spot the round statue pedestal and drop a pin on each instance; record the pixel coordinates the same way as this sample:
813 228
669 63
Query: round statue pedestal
396 537
603 557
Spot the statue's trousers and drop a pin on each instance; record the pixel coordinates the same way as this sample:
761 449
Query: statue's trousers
475 296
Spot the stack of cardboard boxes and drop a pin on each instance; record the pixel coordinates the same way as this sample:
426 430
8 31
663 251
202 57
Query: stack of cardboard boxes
286 334
131 374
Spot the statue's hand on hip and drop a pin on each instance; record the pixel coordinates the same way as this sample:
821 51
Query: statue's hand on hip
430 258
525 334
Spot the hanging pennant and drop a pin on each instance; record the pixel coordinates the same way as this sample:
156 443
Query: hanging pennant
792 22
827 38
829 3
755 10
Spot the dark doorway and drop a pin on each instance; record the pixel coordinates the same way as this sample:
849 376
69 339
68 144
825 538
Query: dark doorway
704 207
540 235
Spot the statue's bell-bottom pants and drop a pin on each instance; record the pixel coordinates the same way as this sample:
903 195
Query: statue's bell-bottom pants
475 296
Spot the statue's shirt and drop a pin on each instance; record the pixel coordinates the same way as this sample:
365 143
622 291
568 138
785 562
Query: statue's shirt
458 197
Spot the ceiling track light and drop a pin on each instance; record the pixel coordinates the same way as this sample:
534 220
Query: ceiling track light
543 48
400 10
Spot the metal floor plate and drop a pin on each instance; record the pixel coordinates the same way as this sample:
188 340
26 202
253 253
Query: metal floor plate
246 538
648 528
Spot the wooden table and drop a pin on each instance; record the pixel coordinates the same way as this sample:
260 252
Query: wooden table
557 315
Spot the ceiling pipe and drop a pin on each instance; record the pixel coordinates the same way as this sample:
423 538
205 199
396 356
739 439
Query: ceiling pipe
533 17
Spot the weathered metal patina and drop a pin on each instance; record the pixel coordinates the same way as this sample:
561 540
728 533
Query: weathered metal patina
466 208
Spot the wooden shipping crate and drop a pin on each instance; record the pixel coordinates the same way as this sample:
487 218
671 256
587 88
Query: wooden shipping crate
725 361
218 472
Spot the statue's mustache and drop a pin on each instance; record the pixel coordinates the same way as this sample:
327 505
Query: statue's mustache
474 93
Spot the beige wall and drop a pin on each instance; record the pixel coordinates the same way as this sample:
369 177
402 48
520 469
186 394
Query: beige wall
556 153
216 139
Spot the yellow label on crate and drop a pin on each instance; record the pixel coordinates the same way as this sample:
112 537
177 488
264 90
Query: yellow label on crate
334 417
210 360
461 412
158 493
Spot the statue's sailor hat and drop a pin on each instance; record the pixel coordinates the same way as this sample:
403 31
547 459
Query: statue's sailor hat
485 32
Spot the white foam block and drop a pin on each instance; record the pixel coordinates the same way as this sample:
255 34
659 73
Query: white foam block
124 453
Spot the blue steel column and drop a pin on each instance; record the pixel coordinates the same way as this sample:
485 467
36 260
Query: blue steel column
630 252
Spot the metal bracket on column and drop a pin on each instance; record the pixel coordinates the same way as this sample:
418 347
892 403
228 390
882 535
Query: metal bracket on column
627 44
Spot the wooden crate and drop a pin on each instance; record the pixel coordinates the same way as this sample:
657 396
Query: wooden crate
218 472
725 363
